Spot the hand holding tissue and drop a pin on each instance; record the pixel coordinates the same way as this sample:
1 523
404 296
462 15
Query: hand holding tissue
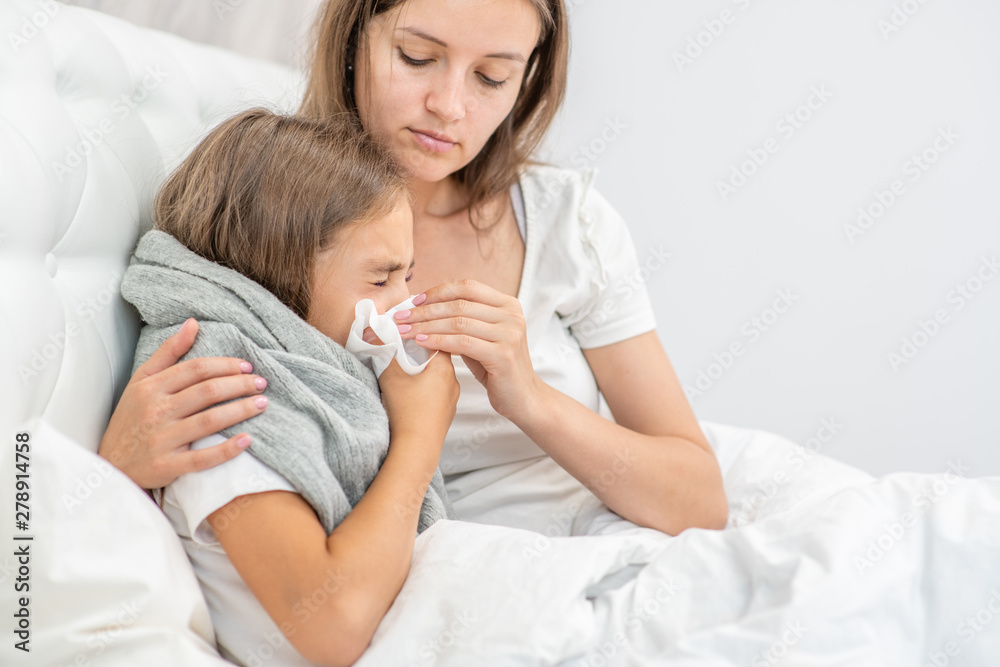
411 357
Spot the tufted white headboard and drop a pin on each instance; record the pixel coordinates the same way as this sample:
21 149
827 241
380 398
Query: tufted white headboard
94 112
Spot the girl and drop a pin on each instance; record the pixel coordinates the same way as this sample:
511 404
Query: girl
317 216
567 394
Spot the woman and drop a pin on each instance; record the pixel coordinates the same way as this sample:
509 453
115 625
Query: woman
461 94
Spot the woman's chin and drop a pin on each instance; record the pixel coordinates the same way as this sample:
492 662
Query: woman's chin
428 168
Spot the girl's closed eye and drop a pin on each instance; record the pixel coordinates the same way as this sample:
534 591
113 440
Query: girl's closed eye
385 282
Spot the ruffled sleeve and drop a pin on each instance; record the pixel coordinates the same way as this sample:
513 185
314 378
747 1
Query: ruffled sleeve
615 305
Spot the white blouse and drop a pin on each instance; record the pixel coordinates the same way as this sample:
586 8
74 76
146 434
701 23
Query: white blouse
579 290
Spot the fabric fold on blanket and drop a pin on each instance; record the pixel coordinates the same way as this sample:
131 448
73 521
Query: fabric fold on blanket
325 429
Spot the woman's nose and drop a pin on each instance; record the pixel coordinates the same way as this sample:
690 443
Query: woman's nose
446 98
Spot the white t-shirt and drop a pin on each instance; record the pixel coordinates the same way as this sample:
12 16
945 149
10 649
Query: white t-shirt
577 291
245 633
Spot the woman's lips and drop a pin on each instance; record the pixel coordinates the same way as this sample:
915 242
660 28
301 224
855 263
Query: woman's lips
432 143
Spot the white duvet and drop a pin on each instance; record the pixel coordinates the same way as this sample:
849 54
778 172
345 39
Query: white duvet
821 564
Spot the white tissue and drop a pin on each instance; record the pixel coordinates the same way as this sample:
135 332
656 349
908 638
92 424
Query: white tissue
411 357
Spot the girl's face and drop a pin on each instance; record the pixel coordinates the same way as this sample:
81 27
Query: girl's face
368 260
444 75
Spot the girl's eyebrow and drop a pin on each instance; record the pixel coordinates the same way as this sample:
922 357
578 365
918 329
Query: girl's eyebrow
384 266
423 35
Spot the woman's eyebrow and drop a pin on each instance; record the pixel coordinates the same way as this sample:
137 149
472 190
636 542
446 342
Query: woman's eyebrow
423 35
385 266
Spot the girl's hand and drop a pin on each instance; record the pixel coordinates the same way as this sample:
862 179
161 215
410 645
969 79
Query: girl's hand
423 403
488 329
164 409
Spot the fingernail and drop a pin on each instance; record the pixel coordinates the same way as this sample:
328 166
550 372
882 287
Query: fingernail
246 367
243 442
403 328
421 337
419 299
261 402
260 383
402 315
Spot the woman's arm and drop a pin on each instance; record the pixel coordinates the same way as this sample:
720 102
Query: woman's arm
163 410
328 594
654 466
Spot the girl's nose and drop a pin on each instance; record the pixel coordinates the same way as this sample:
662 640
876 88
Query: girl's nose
399 295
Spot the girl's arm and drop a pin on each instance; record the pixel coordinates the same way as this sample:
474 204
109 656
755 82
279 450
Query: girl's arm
328 594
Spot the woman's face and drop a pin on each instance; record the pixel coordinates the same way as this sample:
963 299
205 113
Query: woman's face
367 260
444 75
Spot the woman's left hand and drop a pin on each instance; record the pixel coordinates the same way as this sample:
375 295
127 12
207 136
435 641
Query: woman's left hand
487 328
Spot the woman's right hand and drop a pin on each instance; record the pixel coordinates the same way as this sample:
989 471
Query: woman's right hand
165 407
422 404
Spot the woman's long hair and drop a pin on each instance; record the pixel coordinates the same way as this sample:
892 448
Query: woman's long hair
330 90
263 193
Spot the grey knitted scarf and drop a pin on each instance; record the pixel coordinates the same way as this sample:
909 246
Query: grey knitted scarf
325 429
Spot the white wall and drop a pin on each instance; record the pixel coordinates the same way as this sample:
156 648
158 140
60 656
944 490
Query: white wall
676 130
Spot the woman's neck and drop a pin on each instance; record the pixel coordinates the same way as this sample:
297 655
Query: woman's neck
437 198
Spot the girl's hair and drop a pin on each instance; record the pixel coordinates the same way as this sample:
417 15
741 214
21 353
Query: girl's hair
330 89
263 193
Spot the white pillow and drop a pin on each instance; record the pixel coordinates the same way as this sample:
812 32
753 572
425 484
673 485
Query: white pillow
110 583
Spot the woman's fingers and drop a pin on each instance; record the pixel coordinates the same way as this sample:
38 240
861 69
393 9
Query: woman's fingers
162 410
169 351
193 371
177 376
213 420
202 459
458 308
463 344
458 326
214 391
471 290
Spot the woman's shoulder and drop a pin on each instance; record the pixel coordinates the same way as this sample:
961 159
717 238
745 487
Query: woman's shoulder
562 198
546 184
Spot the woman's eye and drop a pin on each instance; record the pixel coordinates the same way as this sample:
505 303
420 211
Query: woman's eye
492 83
409 277
413 62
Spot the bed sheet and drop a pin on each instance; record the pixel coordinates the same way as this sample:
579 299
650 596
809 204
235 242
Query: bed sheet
820 564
